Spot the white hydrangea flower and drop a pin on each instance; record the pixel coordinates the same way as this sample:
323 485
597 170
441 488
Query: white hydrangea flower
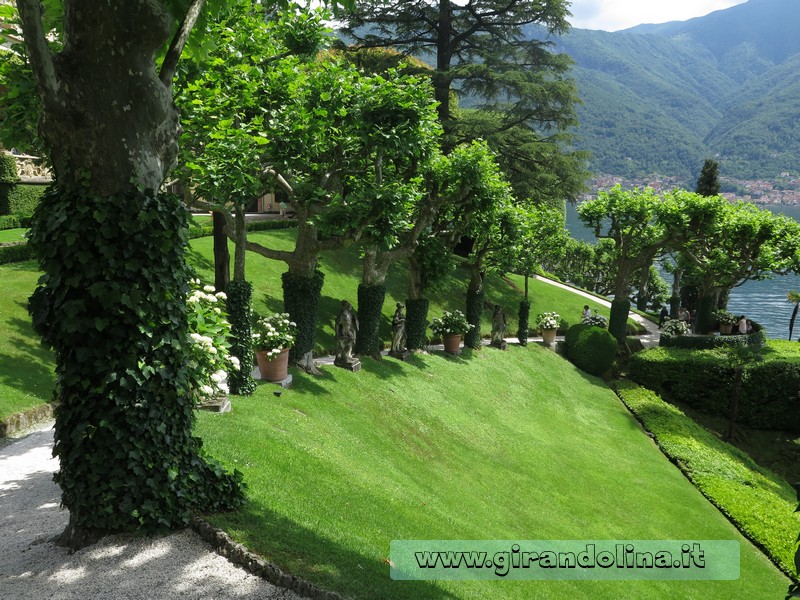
219 376
209 288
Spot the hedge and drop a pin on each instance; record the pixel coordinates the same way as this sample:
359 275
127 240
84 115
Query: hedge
15 253
591 348
755 499
770 396
708 342
8 169
20 198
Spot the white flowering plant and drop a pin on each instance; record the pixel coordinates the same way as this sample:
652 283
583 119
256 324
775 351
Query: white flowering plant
451 323
726 318
548 320
675 327
598 320
274 333
209 348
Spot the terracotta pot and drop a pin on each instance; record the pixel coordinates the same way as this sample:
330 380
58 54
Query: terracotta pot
276 369
452 342
549 336
725 328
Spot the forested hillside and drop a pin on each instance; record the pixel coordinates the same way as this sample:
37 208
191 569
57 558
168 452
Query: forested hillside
660 98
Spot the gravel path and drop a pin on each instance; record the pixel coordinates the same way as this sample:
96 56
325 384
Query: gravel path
32 567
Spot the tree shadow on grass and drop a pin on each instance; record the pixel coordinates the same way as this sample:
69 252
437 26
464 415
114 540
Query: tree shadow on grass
325 562
30 367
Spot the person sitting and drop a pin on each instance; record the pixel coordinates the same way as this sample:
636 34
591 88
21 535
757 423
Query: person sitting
741 325
586 312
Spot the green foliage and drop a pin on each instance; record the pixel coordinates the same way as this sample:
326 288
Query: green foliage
451 323
708 182
591 348
301 294
709 342
239 303
119 330
705 378
417 322
755 499
9 222
16 253
472 337
523 321
19 105
8 169
674 328
19 198
273 334
210 360
370 308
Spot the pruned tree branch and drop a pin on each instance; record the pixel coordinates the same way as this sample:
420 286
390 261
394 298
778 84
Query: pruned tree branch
39 55
170 64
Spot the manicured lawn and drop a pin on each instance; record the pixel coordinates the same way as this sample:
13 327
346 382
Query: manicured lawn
26 368
13 235
493 445
342 275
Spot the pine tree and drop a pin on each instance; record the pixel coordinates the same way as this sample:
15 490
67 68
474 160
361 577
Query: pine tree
708 182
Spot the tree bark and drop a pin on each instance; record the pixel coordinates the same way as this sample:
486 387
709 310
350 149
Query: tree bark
222 258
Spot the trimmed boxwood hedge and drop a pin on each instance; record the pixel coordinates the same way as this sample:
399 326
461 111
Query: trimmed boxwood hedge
708 342
20 198
770 397
591 348
15 253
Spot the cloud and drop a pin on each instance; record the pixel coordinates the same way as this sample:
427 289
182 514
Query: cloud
611 15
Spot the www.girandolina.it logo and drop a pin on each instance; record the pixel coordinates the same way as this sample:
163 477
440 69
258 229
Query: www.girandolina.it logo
565 559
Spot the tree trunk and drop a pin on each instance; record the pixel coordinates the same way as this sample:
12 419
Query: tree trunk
675 299
113 305
641 295
222 258
705 311
474 306
240 247
371 294
441 78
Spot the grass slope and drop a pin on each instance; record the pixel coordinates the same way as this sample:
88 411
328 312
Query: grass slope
26 369
493 445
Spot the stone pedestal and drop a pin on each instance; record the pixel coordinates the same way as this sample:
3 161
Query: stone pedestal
218 405
403 355
351 365
502 345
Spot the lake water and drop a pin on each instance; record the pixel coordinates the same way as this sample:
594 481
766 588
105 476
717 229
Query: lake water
762 301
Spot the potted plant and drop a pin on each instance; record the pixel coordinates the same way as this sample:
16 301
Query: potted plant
451 327
272 338
547 323
726 321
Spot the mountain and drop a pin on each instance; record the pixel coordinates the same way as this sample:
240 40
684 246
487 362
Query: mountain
661 98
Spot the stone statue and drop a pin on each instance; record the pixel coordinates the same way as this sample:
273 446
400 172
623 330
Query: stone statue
399 336
499 328
346 330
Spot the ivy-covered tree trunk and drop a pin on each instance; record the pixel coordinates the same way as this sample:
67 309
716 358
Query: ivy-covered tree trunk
240 301
524 320
475 294
301 295
416 307
675 299
371 294
112 301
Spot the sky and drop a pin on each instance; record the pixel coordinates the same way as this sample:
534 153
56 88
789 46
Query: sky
611 15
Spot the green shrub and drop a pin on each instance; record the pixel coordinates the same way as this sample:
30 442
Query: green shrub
301 295
572 333
708 342
770 395
8 169
9 222
592 349
370 310
19 198
239 304
16 253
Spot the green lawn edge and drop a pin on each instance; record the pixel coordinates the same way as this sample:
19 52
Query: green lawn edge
756 500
